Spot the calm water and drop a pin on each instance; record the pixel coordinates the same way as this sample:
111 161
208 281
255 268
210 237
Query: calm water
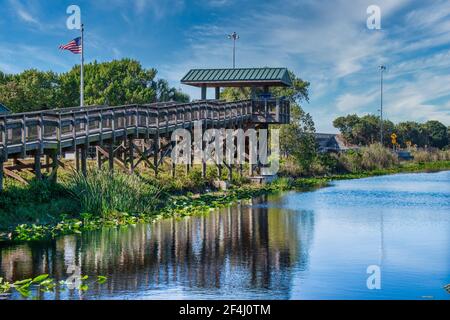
314 245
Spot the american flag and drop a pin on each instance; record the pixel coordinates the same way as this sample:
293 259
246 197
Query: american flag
73 46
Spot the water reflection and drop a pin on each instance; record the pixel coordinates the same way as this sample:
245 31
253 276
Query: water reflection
313 245
226 254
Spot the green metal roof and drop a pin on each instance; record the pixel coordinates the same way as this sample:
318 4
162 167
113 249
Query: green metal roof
4 109
240 77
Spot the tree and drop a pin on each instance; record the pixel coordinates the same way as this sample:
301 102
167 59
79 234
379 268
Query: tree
298 138
346 125
437 134
165 93
114 83
29 91
412 132
364 130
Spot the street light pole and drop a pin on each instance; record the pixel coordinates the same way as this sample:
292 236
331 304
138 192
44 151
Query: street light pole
382 69
235 37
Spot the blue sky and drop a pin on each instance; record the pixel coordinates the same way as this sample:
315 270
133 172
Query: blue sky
324 42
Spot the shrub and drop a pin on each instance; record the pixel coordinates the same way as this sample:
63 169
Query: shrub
431 155
368 158
38 202
376 157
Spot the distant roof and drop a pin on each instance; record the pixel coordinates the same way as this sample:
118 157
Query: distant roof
4 109
239 77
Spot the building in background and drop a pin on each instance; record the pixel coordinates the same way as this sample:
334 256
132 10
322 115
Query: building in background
4 109
332 143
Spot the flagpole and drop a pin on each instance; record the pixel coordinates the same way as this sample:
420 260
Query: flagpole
82 68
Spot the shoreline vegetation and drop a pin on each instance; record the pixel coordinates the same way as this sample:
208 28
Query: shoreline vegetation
44 210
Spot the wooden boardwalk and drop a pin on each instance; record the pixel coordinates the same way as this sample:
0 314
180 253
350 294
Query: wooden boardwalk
53 133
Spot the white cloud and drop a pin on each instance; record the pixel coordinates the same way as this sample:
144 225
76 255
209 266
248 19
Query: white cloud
351 103
22 12
159 9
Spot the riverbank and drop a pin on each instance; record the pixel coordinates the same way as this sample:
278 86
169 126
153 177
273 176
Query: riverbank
192 204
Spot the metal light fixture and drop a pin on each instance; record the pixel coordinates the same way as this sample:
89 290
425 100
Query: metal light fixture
234 36
382 70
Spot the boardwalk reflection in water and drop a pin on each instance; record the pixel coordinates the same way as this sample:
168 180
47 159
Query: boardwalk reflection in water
246 250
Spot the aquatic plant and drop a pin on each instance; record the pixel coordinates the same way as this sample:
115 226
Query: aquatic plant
43 283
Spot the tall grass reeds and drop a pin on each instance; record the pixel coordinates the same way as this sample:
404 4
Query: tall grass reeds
105 193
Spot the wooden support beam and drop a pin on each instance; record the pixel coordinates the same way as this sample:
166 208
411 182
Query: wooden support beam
204 92
230 172
77 159
173 169
131 154
20 165
217 93
47 163
15 176
2 161
203 169
61 164
37 164
111 157
54 165
99 158
143 156
219 171
84 160
156 151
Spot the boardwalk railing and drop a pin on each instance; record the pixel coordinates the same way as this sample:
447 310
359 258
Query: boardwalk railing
67 128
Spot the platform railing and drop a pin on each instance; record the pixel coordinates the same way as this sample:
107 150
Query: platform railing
271 110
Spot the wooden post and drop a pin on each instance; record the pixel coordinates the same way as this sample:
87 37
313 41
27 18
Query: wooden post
47 163
156 148
84 160
217 93
230 172
37 164
219 171
131 154
111 157
174 168
54 156
203 169
277 116
77 159
24 137
74 132
203 92
99 159
2 161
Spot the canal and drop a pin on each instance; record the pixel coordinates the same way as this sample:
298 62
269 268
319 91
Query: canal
312 245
